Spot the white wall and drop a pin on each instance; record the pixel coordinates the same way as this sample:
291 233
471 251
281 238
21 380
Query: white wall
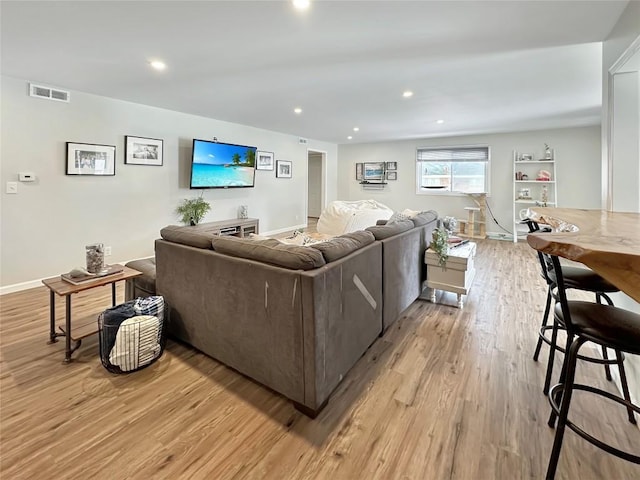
624 33
577 154
625 142
45 227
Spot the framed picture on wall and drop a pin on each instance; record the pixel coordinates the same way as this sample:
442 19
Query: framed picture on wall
142 151
359 174
374 172
283 169
392 175
90 159
264 160
392 165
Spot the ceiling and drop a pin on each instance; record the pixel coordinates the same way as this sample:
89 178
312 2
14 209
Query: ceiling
481 66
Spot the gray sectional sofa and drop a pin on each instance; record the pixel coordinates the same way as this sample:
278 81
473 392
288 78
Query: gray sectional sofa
293 318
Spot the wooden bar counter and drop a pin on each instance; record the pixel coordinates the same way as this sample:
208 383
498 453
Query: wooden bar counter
606 242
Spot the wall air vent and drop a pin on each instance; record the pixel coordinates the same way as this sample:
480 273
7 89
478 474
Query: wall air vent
49 93
302 141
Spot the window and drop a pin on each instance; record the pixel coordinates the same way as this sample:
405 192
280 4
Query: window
452 169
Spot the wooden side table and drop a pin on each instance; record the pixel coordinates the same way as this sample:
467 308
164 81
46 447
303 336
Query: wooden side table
457 276
88 325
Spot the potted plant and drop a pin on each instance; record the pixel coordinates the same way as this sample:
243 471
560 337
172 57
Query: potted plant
192 210
440 245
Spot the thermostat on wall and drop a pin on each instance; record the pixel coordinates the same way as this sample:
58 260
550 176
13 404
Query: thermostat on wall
27 177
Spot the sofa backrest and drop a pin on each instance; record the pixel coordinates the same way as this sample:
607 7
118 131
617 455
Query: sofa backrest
190 236
270 251
380 232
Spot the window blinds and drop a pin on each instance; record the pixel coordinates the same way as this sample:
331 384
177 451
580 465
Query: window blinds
453 154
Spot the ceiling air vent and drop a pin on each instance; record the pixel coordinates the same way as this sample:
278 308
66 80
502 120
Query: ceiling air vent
49 93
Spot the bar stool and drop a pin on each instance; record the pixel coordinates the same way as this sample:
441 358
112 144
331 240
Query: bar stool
605 325
579 279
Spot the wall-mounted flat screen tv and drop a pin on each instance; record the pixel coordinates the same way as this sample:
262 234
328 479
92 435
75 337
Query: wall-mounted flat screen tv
222 165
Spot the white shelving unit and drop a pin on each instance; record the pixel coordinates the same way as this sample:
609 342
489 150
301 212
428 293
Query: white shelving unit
528 190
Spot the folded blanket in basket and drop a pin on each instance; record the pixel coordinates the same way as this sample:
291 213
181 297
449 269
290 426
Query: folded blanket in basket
132 344
137 343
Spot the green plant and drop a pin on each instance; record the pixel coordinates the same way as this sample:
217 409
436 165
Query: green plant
192 210
440 245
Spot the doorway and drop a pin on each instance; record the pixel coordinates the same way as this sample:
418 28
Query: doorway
316 173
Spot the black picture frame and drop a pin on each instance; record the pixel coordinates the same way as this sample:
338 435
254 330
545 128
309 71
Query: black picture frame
284 169
90 159
143 151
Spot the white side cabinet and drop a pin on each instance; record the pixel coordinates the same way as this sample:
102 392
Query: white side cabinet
457 275
534 184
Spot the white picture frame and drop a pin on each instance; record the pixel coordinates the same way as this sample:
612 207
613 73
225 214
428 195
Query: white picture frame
264 160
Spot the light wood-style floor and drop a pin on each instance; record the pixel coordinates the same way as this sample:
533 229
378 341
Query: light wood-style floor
445 394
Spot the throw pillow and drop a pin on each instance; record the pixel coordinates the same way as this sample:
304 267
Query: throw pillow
397 217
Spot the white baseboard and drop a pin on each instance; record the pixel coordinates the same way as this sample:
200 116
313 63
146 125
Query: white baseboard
283 230
18 287
500 236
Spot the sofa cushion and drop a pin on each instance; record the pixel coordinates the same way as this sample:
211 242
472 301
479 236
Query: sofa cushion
424 217
343 245
385 231
270 251
186 236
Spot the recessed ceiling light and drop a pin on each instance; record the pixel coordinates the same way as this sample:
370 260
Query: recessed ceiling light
356 129
158 65
439 122
349 137
407 94
297 110
301 4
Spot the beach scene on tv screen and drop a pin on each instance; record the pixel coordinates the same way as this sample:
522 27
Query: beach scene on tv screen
222 165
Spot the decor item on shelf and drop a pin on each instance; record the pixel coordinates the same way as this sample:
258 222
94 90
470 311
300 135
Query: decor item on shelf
544 176
450 224
524 194
526 157
142 151
547 152
95 257
192 210
544 196
283 169
90 159
521 176
265 160
440 245
243 211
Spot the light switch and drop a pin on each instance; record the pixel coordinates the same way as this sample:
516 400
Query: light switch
12 187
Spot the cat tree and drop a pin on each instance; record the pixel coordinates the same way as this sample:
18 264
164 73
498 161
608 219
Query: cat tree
475 226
